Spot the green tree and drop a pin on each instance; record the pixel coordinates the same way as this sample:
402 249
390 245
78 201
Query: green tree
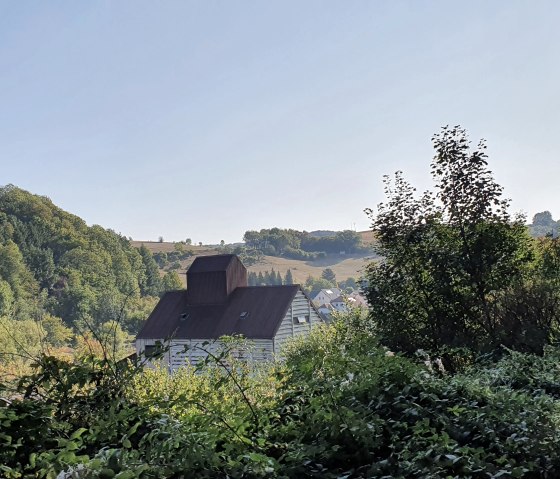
288 279
266 276
152 283
171 281
447 256
314 285
543 225
6 299
57 334
328 275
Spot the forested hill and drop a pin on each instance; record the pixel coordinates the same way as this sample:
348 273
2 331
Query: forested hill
53 264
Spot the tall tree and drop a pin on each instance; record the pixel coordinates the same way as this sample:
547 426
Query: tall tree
288 279
152 284
448 255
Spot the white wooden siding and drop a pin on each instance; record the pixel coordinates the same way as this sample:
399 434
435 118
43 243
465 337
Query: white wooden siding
184 351
300 306
141 346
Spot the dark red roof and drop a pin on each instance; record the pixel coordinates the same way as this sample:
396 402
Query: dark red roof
266 306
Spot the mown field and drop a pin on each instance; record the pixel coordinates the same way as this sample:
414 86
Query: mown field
344 266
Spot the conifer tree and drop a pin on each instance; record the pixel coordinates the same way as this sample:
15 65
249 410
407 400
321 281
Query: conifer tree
152 284
288 278
252 279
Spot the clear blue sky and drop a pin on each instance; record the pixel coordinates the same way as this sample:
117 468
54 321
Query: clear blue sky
204 119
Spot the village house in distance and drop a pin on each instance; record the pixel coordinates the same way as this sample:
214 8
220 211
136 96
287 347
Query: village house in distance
218 302
328 301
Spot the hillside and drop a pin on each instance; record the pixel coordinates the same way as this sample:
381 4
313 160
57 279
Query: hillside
53 263
344 266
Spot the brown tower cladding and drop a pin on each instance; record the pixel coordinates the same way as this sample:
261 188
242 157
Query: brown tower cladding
211 279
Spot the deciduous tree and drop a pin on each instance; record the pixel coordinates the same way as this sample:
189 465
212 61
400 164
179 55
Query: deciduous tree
448 255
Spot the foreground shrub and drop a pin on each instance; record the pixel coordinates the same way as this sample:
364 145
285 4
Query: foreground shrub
339 405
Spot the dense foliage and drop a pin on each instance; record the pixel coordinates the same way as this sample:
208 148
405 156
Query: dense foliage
458 277
302 245
457 270
60 278
339 406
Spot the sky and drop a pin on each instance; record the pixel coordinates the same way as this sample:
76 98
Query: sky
204 119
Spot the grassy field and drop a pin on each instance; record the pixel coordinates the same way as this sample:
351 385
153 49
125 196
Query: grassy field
344 266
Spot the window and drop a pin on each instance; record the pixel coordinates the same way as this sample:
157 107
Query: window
151 350
301 319
244 314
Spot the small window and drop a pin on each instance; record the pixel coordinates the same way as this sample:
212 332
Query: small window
244 315
149 350
301 319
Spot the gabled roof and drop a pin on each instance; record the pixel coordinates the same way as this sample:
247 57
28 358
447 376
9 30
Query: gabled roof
266 306
330 293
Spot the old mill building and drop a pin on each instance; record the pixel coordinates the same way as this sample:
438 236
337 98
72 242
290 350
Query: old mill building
218 302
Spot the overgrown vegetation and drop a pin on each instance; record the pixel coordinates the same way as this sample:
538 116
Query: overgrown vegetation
340 405
457 270
453 373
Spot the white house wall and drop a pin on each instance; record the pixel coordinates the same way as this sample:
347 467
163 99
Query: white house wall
300 306
184 351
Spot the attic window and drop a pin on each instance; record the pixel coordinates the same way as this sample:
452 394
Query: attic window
328 291
301 319
184 316
244 315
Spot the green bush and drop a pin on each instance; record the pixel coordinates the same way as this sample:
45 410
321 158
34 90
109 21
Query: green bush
338 405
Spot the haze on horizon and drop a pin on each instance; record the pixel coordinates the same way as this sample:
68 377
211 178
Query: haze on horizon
201 120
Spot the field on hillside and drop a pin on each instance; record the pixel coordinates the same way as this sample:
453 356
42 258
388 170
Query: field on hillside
167 247
344 266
